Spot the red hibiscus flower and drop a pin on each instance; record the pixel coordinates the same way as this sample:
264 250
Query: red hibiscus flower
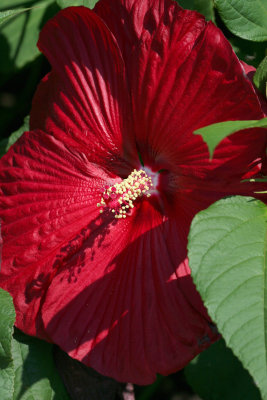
98 198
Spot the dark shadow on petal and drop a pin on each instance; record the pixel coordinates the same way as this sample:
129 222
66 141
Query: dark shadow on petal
91 236
36 287
126 326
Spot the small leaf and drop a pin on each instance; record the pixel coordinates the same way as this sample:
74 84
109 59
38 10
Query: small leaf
36 377
7 319
216 374
260 76
215 133
68 3
245 18
6 143
227 255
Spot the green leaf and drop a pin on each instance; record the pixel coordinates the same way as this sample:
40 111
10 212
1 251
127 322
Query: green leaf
6 15
216 374
7 319
245 18
260 76
204 7
27 369
36 377
215 133
6 143
19 35
68 3
227 247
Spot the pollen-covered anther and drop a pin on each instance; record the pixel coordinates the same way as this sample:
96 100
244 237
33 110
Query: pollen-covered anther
120 198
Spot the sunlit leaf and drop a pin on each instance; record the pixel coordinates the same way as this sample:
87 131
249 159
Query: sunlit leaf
36 377
7 319
227 256
245 18
27 369
6 15
68 3
215 133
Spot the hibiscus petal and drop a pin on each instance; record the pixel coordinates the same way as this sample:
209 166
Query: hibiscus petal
126 313
48 195
85 97
183 74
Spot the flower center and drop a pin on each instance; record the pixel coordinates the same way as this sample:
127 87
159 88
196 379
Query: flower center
120 198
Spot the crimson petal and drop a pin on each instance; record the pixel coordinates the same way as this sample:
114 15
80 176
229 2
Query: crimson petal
133 310
183 74
85 96
102 289
49 193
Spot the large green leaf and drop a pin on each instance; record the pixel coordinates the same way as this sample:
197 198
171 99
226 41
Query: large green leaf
19 35
216 374
215 133
7 319
260 77
245 18
27 369
204 7
36 377
68 3
227 255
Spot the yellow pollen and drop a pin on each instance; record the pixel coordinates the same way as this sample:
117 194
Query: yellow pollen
119 198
